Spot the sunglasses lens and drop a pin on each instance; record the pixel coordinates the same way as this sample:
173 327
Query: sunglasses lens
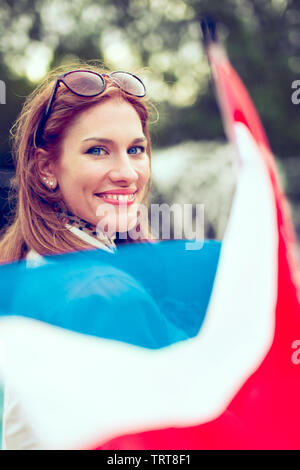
85 83
129 83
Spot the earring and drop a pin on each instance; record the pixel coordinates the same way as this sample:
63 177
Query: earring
49 182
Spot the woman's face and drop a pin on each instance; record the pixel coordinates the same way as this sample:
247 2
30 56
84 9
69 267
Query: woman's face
104 169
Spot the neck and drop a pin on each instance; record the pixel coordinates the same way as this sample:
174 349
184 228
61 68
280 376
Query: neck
81 226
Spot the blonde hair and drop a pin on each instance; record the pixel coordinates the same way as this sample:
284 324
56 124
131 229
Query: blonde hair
35 224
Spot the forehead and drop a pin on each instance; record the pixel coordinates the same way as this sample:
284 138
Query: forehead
108 117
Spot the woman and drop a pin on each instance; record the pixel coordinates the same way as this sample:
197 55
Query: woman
83 170
81 145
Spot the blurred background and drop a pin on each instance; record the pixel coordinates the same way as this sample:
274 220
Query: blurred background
161 41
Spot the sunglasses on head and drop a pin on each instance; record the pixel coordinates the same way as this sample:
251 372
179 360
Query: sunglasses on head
87 83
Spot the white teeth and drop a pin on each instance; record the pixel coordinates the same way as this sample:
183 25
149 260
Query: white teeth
118 197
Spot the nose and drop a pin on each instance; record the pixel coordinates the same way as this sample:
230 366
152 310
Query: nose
123 171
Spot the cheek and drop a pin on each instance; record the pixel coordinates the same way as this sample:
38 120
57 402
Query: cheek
144 171
74 182
80 178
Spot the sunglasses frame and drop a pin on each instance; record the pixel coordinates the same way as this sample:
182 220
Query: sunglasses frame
60 79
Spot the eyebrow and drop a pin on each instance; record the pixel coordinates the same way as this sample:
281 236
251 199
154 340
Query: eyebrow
111 142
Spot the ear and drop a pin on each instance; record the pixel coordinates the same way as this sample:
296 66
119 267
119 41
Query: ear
45 168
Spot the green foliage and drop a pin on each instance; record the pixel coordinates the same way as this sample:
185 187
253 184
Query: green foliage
162 38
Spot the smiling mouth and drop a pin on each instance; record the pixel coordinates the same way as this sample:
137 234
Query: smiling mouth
117 199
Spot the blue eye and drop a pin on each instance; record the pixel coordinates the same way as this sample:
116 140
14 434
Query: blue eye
136 150
97 151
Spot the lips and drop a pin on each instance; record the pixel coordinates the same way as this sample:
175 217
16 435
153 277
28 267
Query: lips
119 191
118 196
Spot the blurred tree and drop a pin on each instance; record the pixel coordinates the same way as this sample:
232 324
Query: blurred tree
162 39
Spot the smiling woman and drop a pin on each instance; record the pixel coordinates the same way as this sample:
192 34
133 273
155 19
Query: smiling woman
100 163
82 151
83 172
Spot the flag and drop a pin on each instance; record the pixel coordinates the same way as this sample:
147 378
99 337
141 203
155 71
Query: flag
188 349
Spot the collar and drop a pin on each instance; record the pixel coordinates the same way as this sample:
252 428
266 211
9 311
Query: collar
84 230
